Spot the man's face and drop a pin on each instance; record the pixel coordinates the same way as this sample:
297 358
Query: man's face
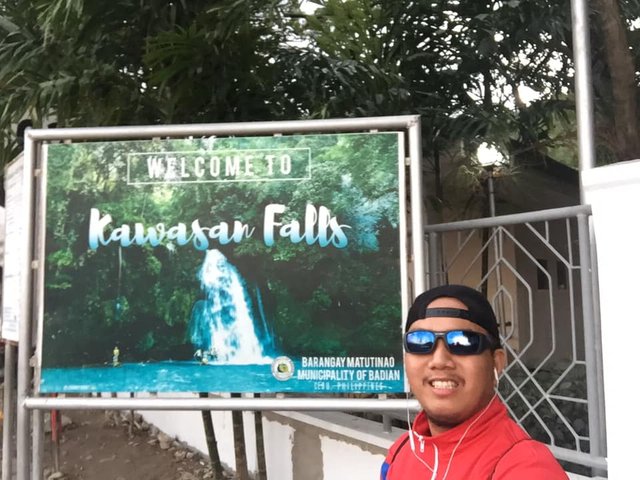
451 388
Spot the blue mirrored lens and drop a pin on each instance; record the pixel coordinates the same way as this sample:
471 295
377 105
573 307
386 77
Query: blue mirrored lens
464 342
458 342
420 341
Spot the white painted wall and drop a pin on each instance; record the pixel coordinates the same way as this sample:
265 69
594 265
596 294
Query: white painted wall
351 447
2 219
340 457
278 445
613 192
346 441
187 427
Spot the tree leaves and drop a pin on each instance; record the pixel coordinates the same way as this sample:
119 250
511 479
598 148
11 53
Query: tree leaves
457 64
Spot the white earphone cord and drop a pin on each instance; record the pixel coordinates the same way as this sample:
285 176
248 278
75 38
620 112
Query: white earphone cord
434 470
412 444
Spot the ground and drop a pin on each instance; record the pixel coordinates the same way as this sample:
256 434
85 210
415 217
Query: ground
99 445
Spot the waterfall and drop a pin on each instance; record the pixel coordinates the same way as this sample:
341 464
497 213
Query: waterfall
222 326
267 331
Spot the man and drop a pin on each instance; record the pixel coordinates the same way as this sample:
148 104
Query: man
453 359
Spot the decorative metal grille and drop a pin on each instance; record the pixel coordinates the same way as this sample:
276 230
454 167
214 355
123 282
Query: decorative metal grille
536 269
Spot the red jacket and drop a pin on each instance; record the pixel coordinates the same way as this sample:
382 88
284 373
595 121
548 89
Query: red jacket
494 447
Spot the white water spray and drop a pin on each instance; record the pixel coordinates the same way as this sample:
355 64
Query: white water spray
222 325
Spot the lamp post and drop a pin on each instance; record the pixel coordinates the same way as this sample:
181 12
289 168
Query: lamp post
490 158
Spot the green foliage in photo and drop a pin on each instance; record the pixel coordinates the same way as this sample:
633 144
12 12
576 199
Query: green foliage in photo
317 300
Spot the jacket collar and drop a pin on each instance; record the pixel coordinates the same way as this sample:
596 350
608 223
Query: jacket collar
494 411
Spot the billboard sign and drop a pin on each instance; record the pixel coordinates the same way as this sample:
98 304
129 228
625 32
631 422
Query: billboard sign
239 264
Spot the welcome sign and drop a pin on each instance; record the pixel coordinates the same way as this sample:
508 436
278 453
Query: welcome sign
224 165
246 264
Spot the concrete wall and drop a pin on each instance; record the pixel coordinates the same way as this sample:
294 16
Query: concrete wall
298 446
613 192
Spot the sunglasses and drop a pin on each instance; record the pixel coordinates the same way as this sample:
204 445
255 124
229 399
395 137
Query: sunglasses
458 342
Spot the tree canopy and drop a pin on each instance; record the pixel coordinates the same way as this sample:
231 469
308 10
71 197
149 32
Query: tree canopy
463 65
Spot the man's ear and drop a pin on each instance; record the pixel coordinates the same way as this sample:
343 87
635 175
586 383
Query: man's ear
499 360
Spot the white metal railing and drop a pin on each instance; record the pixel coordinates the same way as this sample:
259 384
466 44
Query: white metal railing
536 269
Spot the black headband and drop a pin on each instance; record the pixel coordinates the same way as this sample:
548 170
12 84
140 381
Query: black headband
479 310
448 312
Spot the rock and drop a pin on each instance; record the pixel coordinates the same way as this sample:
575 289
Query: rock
187 476
111 419
180 455
55 476
178 444
65 421
164 440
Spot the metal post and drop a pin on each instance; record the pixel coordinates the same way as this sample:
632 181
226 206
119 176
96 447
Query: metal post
434 263
23 429
497 252
38 445
586 149
417 214
9 411
386 423
491 192
386 418
590 343
278 403
583 92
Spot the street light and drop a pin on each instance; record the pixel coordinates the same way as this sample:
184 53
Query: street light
490 158
488 155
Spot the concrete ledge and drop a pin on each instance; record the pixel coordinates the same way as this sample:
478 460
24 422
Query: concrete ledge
350 426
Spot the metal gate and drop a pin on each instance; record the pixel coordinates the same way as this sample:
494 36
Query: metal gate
537 269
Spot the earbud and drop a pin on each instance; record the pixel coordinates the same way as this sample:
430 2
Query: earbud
495 375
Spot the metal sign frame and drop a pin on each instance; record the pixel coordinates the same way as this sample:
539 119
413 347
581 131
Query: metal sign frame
29 430
231 337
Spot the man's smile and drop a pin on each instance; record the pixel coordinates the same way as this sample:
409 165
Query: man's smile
443 384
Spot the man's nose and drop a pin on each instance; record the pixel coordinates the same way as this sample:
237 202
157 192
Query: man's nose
440 357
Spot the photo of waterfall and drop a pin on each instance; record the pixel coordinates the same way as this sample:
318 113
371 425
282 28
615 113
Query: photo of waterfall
241 264
222 326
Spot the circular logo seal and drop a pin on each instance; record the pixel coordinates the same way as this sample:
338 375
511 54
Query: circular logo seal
282 368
